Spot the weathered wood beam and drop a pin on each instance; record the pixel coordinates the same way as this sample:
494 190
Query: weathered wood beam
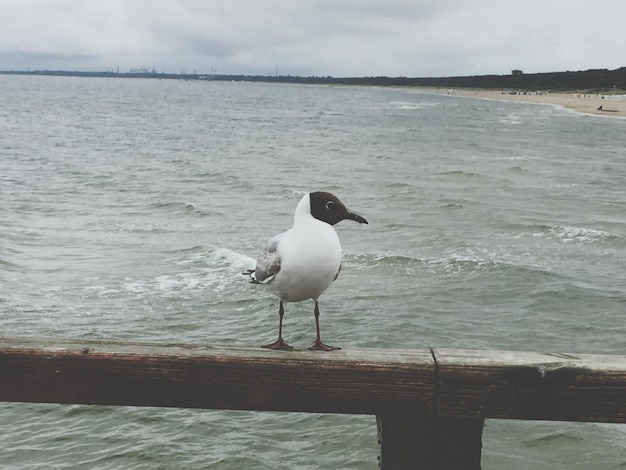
217 377
443 382
430 404
530 385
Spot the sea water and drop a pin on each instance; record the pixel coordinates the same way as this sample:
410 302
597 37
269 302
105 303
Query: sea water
130 207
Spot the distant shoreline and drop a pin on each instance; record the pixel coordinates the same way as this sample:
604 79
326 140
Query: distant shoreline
588 103
558 88
587 81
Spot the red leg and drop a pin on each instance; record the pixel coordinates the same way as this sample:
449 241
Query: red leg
318 345
280 342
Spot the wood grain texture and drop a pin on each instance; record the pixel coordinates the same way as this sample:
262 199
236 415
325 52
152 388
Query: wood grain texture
430 404
443 382
217 377
530 385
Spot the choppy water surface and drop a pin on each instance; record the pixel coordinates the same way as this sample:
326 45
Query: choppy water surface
129 208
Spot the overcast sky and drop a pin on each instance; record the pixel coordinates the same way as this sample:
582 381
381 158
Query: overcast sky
415 38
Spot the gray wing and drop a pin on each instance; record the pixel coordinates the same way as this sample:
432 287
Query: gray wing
268 263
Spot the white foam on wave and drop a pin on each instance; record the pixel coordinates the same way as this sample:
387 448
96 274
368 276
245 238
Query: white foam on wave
456 263
411 105
582 234
468 262
511 118
567 234
215 269
237 260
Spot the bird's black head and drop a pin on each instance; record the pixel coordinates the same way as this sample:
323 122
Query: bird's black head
328 208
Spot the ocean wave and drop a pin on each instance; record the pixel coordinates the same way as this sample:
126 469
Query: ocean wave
7 265
141 438
581 234
178 207
11 251
453 264
233 259
553 436
517 168
451 205
460 265
567 234
511 118
461 173
370 260
218 256
412 105
214 268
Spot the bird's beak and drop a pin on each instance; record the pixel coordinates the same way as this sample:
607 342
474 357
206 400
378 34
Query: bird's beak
356 218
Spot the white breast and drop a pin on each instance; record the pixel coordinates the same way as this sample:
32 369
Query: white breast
310 255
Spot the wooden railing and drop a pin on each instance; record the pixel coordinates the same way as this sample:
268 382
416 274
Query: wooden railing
430 404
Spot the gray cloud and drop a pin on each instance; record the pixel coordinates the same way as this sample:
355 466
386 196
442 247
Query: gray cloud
339 38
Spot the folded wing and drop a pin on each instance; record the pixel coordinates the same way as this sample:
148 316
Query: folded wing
268 263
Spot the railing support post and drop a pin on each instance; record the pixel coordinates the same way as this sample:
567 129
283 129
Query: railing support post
431 443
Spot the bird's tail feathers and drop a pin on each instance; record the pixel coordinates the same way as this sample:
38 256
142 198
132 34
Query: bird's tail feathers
250 274
253 280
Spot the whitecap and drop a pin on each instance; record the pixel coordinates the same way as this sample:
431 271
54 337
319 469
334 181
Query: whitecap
566 234
213 268
580 234
236 260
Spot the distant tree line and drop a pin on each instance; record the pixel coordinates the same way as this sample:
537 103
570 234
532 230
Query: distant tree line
591 80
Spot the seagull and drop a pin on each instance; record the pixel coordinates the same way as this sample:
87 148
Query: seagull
302 262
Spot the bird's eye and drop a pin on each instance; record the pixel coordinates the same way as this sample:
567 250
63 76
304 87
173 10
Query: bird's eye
329 204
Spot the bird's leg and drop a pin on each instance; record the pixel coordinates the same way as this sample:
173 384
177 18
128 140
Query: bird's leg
318 345
280 342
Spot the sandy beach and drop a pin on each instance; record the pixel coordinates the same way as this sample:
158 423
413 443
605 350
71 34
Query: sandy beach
605 105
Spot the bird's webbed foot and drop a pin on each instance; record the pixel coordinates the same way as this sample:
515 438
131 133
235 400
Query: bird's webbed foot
278 345
319 346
